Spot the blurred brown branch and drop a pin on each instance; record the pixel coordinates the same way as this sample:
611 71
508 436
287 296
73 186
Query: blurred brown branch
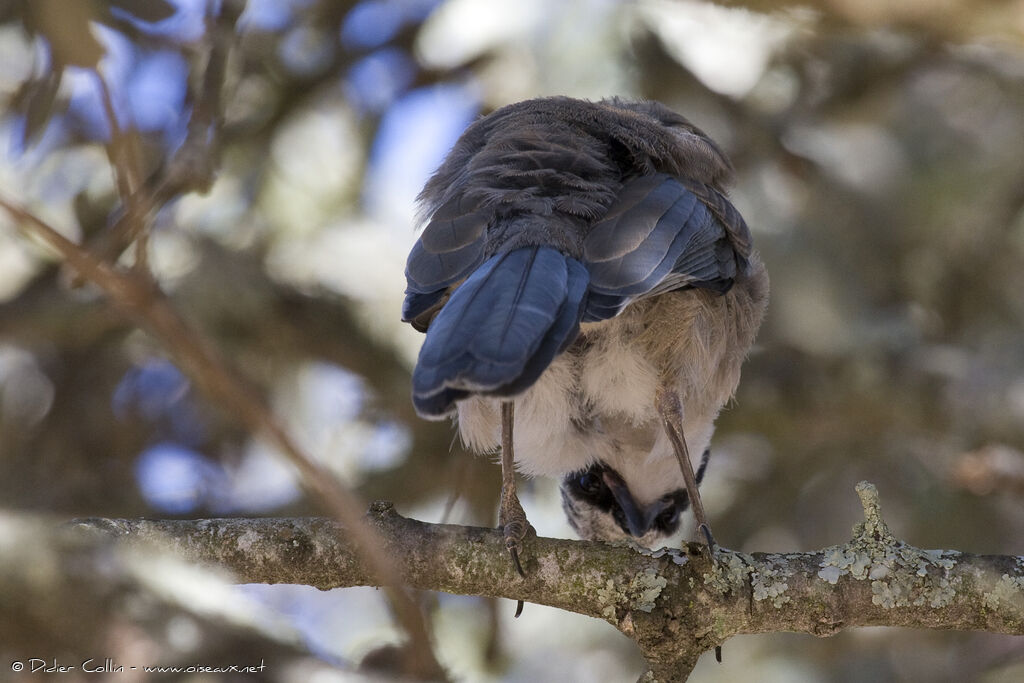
140 298
994 467
671 603
193 166
275 323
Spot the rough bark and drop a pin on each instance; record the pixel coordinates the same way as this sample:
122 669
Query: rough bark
675 604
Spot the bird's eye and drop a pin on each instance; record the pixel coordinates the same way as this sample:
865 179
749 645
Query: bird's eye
589 482
668 517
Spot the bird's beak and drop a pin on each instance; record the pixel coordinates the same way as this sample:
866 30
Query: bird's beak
638 519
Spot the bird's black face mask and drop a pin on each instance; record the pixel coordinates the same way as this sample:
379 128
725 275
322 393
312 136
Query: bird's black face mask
598 495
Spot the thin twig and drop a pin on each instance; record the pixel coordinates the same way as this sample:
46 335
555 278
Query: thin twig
193 166
125 159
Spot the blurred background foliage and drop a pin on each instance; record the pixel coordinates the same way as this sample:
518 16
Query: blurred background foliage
879 150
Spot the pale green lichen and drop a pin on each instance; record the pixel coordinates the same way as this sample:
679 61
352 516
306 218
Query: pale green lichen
677 556
647 587
767 577
609 596
729 572
831 573
641 593
768 581
1008 593
899 573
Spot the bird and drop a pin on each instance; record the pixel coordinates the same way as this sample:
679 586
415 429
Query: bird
588 294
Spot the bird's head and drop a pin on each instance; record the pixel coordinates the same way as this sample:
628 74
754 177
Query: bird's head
599 506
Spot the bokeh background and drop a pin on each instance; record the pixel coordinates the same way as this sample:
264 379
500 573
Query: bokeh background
879 150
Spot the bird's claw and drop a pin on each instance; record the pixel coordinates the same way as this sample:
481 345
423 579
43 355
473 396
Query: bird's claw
515 529
706 530
712 551
514 526
514 546
711 546
514 534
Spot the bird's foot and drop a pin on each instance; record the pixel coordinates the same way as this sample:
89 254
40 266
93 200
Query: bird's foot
514 526
712 546
671 410
708 548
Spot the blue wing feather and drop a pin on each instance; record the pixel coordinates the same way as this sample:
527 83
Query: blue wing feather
450 247
661 234
501 328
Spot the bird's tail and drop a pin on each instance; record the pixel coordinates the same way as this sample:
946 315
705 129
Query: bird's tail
501 328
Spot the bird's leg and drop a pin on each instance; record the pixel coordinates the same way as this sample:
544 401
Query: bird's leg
510 515
671 410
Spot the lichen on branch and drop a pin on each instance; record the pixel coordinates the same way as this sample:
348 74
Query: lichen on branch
674 604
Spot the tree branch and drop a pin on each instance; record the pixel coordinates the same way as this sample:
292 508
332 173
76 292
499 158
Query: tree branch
672 603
